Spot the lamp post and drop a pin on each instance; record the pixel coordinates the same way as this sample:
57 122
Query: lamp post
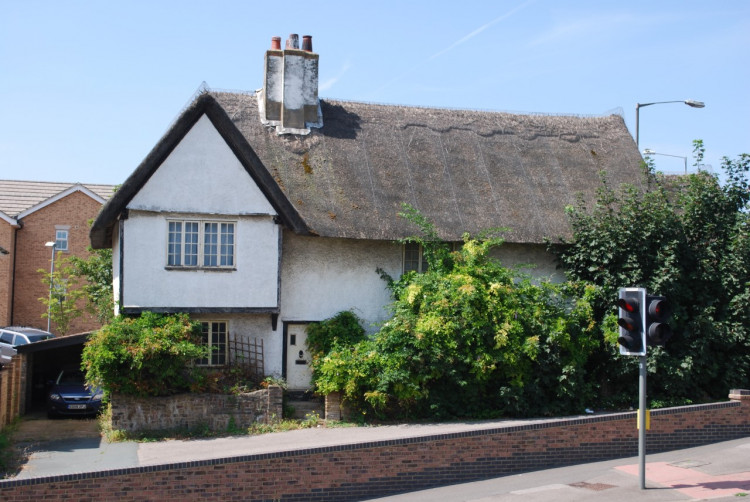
648 151
52 245
690 102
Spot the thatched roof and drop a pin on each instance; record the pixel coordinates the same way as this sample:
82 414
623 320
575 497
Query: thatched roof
466 171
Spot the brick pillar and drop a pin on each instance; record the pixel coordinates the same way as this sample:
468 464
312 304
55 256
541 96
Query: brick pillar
333 406
275 410
4 397
741 395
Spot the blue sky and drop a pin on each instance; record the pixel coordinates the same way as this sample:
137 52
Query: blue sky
90 87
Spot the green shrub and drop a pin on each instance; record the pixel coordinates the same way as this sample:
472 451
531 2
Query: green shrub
344 329
469 338
150 355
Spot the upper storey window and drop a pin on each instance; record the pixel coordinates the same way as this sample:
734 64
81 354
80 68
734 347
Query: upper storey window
201 244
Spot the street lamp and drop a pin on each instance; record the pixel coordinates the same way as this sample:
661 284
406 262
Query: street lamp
53 245
690 102
648 151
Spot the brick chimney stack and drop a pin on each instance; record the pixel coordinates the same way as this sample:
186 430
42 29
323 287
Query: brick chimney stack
289 98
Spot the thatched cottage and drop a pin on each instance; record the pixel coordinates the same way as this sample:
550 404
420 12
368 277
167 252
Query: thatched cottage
260 212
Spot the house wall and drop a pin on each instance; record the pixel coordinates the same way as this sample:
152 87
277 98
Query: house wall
321 277
31 255
533 259
251 327
200 179
147 283
202 175
7 241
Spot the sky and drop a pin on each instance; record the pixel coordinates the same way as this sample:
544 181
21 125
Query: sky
90 87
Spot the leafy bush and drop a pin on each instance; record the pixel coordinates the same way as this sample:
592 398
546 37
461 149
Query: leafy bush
469 337
150 355
344 329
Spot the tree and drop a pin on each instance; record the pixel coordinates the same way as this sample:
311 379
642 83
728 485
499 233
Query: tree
684 237
61 303
96 271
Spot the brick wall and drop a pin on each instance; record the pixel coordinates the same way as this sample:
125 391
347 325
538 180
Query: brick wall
7 242
190 411
39 227
357 471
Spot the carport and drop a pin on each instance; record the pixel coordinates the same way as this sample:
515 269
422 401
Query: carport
43 362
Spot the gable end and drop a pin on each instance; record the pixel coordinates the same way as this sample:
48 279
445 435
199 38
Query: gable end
101 231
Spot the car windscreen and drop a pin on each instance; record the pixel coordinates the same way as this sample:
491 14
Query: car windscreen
37 338
70 377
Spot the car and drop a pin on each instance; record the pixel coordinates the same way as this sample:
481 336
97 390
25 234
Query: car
70 395
13 336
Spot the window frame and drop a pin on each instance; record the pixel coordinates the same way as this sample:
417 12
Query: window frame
62 234
191 246
218 358
408 251
422 265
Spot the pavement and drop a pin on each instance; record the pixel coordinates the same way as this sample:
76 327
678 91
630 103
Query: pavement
719 471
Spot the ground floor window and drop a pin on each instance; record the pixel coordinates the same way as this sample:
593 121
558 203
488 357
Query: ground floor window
214 334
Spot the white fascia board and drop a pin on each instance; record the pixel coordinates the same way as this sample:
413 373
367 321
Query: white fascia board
75 188
11 221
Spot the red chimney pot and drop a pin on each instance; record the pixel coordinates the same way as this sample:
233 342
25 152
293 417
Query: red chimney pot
275 43
307 43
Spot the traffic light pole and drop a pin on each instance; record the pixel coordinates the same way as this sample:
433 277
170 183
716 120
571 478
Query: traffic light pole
642 422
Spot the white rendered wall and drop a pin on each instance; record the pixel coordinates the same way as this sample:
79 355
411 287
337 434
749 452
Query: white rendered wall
543 263
201 179
148 283
251 327
321 277
116 267
202 175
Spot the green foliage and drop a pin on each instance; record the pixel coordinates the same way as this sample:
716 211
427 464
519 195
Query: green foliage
343 329
686 238
150 355
469 337
96 270
64 292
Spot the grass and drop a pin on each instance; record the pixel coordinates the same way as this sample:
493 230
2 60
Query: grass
10 458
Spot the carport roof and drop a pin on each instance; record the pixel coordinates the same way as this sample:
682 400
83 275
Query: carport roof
54 343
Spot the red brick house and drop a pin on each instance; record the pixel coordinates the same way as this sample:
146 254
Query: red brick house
33 213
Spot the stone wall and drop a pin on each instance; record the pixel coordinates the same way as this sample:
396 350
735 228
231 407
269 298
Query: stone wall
217 412
365 470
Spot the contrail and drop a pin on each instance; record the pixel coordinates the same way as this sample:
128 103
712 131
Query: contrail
480 30
457 43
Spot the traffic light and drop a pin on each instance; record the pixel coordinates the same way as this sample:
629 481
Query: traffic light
632 317
658 312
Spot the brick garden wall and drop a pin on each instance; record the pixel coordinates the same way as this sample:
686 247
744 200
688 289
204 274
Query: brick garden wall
357 471
190 411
